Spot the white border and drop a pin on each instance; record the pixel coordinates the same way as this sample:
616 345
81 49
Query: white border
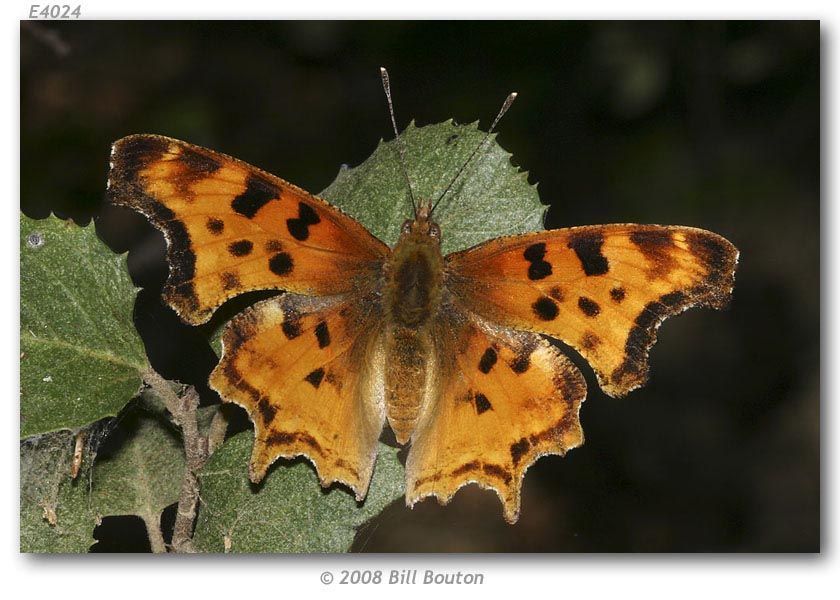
443 9
670 577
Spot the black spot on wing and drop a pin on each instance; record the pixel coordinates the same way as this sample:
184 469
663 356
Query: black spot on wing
588 306
522 360
281 264
322 333
257 194
482 404
587 245
545 308
315 377
539 268
229 280
518 450
267 411
656 244
241 247
215 226
590 341
291 326
299 227
200 165
521 363
617 294
488 359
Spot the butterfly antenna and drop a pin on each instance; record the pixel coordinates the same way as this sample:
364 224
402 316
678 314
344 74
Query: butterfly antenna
386 83
505 106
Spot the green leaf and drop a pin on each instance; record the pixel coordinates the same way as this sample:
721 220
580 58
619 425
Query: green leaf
81 357
492 197
144 475
55 514
141 476
289 512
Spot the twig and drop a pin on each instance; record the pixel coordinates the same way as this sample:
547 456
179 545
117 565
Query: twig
197 449
155 536
78 453
218 429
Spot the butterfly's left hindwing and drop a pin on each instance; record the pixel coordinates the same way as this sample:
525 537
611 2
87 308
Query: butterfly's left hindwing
232 228
602 289
309 373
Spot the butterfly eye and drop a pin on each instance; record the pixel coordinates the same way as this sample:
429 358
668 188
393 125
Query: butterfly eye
434 231
406 226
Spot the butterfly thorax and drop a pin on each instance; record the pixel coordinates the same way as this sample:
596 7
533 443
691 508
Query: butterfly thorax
412 294
413 275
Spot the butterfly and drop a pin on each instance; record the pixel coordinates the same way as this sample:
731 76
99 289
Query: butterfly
450 350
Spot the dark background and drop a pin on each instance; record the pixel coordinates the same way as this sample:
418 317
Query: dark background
710 124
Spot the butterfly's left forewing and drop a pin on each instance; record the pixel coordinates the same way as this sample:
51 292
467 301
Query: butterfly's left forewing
232 228
602 289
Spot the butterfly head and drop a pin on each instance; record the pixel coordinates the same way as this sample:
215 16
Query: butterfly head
422 225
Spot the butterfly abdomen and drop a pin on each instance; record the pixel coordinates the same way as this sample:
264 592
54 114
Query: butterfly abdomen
407 372
413 280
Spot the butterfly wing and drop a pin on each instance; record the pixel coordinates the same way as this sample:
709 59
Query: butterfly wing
604 289
231 228
504 399
309 373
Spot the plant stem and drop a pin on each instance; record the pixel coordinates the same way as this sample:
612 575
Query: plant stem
197 449
218 429
155 536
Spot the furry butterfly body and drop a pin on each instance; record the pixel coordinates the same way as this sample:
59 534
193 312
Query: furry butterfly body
448 350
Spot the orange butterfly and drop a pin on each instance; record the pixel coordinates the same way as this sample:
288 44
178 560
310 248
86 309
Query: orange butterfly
447 349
